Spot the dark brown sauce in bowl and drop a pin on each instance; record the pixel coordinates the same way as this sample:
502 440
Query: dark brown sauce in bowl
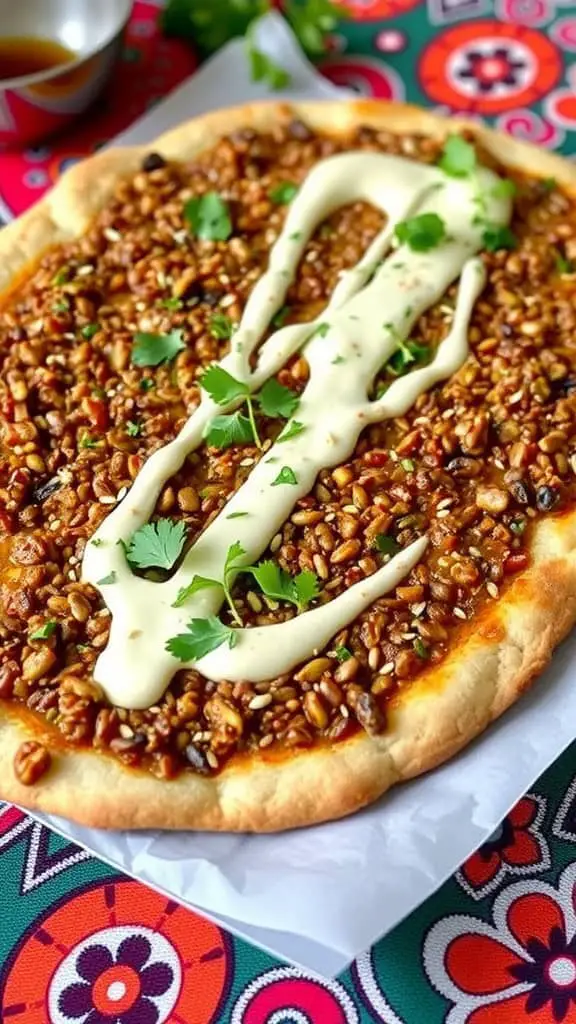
29 55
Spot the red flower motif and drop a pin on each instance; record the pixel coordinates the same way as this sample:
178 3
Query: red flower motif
519 970
517 847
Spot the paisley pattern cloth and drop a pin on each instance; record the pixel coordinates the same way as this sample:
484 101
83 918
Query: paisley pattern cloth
81 943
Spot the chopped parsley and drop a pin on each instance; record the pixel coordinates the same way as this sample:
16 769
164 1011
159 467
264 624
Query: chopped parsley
62 306
283 193
88 442
235 551
237 515
408 465
279 318
146 384
342 653
202 636
423 232
421 648
458 158
564 265
549 184
107 580
133 429
153 349
43 632
263 68
505 188
322 330
221 326
96 542
386 544
224 431
338 361
208 217
290 431
407 352
157 545
285 476
275 582
171 303
89 330
61 276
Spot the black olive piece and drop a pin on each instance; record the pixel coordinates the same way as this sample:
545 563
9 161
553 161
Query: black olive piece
153 162
546 498
44 490
566 386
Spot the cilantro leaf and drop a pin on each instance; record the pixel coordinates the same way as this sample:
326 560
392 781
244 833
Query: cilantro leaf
276 400
458 157
285 476
203 636
504 188
157 545
133 429
564 265
89 330
386 544
421 233
322 330
275 582
153 349
88 442
408 465
421 648
225 431
496 236
197 583
311 20
283 193
263 68
208 216
290 431
222 386
549 184
171 303
43 632
221 326
408 352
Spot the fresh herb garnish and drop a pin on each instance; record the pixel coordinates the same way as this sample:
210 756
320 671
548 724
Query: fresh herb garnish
208 217
518 526
275 582
290 431
408 465
458 157
386 544
563 264
407 352
235 551
237 515
106 580
171 303
157 545
342 653
221 326
224 431
279 318
549 184
322 330
61 276
285 476
421 648
62 306
504 188
153 349
498 236
96 542
423 232
203 636
133 429
88 442
146 384
338 361
89 330
283 193
275 400
263 68
43 632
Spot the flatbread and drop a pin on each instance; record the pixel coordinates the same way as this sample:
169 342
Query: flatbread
496 659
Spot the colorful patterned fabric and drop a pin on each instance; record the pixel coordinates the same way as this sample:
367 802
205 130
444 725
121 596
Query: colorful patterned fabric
81 943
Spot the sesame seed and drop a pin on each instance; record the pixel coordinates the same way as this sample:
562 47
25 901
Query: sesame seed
247 462
266 740
121 493
417 609
344 711
409 636
443 513
499 464
387 669
475 552
330 517
227 301
351 509
125 731
516 397
112 235
460 613
107 499
448 414
262 700
72 575
195 738
85 270
445 503
492 589
54 525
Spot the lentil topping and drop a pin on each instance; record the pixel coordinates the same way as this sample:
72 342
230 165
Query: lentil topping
473 463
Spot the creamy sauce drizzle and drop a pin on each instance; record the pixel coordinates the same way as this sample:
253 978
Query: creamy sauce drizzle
375 304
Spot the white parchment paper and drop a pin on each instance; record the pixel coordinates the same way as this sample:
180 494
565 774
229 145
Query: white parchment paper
320 896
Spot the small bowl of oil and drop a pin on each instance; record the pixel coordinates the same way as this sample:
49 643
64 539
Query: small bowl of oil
55 58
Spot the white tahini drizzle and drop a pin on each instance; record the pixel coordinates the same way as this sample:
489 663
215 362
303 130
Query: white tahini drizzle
375 304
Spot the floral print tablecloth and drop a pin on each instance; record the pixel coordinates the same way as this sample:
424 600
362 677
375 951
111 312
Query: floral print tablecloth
82 944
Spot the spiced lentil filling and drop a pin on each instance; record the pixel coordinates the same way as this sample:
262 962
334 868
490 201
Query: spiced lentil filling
474 462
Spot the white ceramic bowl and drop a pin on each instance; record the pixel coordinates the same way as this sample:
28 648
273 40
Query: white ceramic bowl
33 106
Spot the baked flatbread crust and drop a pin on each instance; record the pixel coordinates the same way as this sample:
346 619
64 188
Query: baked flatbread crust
508 643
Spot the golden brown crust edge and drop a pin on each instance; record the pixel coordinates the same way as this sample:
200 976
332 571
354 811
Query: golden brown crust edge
440 714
